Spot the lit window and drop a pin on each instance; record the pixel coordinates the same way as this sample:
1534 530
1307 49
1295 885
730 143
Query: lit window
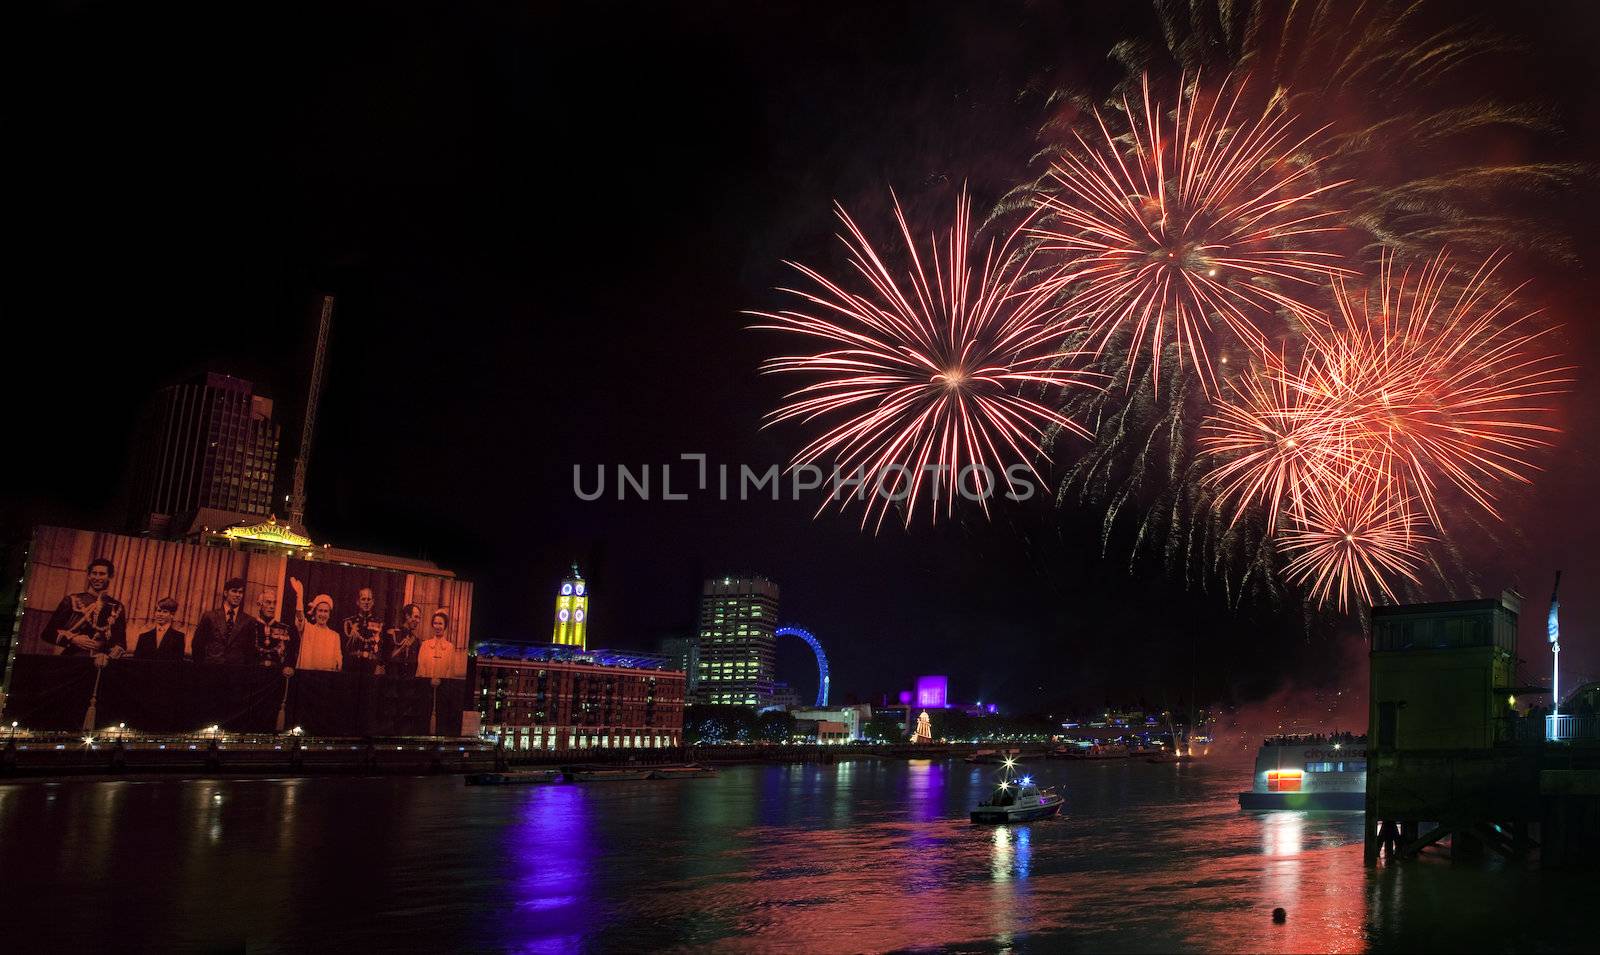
1283 780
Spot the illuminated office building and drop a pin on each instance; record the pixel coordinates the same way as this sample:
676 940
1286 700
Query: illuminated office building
572 612
737 618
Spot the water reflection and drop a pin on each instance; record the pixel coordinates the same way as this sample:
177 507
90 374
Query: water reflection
1013 851
925 789
551 850
1282 833
863 856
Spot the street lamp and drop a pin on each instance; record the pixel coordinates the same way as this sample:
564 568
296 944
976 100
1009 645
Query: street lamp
1553 633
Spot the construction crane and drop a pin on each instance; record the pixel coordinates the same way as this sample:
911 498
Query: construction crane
297 494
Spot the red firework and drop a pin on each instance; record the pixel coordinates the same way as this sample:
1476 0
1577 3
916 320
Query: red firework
1434 383
1350 536
1277 443
926 372
1424 384
1186 219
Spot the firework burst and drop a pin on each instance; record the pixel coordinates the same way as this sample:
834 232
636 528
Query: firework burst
932 379
1421 384
1276 441
1350 536
1388 92
1434 381
1186 220
1394 85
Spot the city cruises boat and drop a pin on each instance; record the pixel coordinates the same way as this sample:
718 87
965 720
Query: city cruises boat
1309 772
605 774
683 772
513 778
1017 800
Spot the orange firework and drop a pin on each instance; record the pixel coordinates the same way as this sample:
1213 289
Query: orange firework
1434 383
926 376
1277 443
1425 383
1186 219
1350 535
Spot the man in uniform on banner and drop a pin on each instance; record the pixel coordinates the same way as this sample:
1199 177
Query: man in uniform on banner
275 648
228 635
363 634
278 648
401 643
92 621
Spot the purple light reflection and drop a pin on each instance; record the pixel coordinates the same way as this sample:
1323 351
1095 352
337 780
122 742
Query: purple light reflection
552 855
925 790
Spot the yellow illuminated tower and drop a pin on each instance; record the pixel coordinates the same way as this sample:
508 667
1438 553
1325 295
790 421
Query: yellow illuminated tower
572 612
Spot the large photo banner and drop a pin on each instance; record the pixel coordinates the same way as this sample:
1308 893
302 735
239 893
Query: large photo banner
163 617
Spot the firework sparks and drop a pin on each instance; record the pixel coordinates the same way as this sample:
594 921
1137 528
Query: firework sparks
1421 384
1276 442
928 373
1351 535
1201 216
1434 382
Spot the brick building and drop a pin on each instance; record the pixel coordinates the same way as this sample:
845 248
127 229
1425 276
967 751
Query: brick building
558 698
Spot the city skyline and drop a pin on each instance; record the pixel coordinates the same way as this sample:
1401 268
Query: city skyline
918 475
462 391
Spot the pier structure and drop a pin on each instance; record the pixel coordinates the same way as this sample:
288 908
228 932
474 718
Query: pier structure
1452 762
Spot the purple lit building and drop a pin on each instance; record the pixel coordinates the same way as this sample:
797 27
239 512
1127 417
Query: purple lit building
933 692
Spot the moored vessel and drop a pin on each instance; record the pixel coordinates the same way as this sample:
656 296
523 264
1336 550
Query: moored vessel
600 774
513 778
991 756
683 772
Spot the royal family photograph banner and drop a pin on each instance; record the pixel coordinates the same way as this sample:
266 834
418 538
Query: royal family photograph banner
159 615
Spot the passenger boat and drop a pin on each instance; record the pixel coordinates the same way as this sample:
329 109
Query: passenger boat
683 772
517 777
1017 799
1309 772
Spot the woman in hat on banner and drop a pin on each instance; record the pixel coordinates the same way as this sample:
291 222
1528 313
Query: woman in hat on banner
320 645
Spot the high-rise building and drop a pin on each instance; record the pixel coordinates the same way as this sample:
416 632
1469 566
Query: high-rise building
684 654
737 618
572 612
205 445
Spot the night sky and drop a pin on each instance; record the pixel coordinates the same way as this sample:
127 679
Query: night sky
542 224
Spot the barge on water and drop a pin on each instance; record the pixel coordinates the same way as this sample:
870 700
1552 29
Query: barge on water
1319 773
522 777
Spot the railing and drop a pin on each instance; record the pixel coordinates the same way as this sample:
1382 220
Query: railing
1564 727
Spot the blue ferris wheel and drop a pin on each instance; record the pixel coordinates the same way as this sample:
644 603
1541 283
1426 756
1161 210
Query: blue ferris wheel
822 658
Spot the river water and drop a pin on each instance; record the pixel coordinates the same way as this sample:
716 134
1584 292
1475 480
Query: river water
867 855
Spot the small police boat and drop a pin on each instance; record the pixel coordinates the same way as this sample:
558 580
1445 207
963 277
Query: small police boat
1017 799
